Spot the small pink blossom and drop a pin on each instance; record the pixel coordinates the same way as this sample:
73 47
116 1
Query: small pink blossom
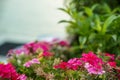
62 65
93 64
112 64
111 56
63 43
22 77
60 42
93 70
92 59
47 54
34 46
74 63
31 62
19 51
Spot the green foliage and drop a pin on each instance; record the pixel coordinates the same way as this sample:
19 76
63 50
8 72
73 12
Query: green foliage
78 4
94 25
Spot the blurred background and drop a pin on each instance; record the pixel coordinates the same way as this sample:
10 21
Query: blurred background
23 21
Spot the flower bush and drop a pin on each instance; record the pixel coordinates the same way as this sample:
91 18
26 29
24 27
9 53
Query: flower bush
86 55
34 62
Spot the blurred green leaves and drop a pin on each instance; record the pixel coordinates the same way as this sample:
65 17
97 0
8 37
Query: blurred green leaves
93 25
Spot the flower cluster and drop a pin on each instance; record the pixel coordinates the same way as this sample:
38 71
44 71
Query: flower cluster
45 60
90 61
111 60
93 64
8 71
34 47
72 64
34 53
31 47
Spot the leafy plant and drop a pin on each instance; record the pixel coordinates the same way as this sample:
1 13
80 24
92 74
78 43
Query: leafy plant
93 26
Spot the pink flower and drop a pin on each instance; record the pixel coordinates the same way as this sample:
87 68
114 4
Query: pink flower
22 77
18 51
92 63
92 59
112 64
63 43
74 63
47 54
111 56
31 62
89 61
45 46
93 70
7 71
34 46
31 47
21 51
62 65
60 42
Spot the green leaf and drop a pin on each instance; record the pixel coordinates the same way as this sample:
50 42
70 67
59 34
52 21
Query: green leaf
82 41
98 23
65 21
88 11
94 6
114 37
107 8
115 10
65 10
107 23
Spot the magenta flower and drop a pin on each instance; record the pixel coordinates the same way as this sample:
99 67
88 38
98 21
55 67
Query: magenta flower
60 42
112 64
31 62
92 59
72 64
63 43
62 65
7 71
92 63
47 54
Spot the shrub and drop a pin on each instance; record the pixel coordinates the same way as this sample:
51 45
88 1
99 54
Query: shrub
94 25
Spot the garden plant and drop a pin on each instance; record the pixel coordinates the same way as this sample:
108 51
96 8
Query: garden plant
90 52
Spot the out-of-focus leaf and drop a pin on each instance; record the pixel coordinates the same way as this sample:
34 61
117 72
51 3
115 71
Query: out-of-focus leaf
108 21
88 11
107 8
65 21
114 37
82 41
65 10
115 10
98 23
94 6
